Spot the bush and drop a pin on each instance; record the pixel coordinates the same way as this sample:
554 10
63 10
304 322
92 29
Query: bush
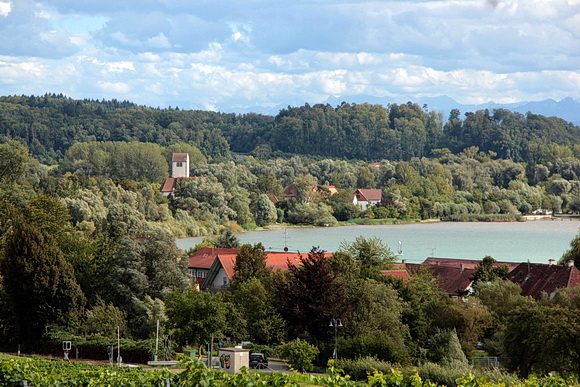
360 368
444 375
95 347
300 354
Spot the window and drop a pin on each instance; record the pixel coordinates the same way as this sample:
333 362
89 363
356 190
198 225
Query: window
179 164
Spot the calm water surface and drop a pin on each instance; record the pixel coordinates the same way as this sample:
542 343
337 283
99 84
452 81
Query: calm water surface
536 241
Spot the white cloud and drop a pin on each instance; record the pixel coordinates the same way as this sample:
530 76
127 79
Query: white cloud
229 55
5 8
115 88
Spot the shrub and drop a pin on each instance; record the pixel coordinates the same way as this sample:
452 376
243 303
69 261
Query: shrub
300 354
360 368
444 375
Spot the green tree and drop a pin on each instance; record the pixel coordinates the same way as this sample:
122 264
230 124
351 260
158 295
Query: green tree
486 271
39 282
250 263
300 354
310 294
371 255
14 160
543 339
445 349
227 239
104 319
573 253
264 211
194 316
342 206
254 300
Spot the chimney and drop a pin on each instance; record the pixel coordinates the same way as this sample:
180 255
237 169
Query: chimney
404 261
461 268
570 263
551 261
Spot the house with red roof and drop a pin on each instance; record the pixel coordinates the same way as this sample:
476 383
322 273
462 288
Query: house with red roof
538 278
199 263
221 271
367 197
453 274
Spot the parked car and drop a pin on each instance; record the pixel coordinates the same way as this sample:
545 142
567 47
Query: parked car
258 360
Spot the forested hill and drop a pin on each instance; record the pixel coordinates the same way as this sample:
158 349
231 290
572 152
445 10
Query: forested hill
50 124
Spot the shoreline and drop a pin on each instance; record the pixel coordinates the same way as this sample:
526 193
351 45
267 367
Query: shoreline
279 226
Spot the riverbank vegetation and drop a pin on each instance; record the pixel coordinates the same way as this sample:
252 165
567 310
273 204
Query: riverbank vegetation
87 240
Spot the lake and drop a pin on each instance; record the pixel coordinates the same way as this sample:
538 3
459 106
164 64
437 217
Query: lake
536 241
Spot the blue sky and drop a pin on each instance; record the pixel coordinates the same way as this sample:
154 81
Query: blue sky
255 55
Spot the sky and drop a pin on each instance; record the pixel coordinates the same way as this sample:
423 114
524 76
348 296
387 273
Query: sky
239 56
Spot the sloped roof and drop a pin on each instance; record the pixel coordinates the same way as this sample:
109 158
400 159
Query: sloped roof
403 274
204 257
467 263
179 157
535 278
274 260
369 195
273 198
450 278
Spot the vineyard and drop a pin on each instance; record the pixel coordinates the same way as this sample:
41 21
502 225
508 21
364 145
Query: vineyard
16 371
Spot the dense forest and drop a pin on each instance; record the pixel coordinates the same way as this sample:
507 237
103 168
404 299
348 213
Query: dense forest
52 123
87 239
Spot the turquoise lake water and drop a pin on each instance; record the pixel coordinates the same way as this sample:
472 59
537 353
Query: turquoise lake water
536 241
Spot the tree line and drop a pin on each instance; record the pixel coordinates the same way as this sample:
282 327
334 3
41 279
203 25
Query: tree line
50 124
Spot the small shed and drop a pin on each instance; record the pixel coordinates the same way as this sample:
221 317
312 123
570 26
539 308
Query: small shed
232 359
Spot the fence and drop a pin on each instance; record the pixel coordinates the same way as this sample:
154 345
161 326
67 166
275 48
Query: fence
489 362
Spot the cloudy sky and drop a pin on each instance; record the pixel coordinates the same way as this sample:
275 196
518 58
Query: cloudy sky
254 55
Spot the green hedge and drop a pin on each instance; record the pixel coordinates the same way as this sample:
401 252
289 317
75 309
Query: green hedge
95 347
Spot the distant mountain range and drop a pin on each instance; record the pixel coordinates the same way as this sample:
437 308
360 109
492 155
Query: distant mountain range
568 109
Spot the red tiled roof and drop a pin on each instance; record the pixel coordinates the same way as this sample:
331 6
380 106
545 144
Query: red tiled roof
535 278
177 157
273 198
467 263
369 195
451 278
204 257
403 274
274 260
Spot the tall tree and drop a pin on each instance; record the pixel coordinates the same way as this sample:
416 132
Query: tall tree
250 263
264 211
310 295
39 282
371 255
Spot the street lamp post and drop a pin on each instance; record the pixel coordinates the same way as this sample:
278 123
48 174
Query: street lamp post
335 323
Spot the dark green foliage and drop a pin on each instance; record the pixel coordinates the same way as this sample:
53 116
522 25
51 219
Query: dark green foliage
543 339
486 271
310 295
250 263
195 315
39 282
227 239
